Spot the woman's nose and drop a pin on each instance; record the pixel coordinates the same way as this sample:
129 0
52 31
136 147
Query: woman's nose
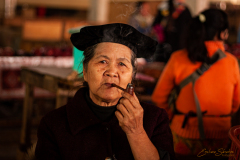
111 71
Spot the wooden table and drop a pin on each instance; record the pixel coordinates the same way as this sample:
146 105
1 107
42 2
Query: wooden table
57 80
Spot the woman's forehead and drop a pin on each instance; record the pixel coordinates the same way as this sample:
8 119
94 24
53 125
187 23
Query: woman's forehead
113 49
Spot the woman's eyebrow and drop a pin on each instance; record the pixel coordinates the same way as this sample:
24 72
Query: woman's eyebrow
102 56
122 59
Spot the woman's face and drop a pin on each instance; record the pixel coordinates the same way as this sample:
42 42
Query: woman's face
110 64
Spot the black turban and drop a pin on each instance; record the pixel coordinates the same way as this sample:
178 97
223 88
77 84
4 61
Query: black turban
140 44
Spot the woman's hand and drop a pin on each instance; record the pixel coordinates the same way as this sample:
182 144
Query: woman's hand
130 117
130 114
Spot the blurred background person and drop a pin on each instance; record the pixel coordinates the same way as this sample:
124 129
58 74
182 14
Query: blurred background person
217 89
169 25
142 18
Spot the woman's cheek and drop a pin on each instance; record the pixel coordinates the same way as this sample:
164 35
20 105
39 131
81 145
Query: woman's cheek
101 68
127 73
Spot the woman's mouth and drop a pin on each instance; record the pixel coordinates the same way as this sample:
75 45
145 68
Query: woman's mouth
114 85
109 85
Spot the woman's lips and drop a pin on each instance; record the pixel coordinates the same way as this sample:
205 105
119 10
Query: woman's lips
114 85
108 84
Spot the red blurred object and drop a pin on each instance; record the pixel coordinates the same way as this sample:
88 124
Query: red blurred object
8 51
41 12
66 52
1 52
57 52
40 51
11 79
234 135
20 52
233 49
53 51
50 52
227 47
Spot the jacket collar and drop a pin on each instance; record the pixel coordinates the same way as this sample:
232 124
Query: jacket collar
213 46
79 115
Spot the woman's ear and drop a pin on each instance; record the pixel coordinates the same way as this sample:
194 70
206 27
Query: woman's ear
224 34
84 75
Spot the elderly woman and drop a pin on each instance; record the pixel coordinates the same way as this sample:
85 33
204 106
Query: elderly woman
102 121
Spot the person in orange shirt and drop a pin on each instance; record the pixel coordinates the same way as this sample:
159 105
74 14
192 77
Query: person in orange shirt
217 89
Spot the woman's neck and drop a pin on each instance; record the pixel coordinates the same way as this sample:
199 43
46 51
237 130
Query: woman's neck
101 102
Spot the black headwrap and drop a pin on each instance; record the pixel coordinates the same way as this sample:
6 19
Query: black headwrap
140 44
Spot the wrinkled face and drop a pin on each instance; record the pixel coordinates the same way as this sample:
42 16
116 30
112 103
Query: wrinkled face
110 64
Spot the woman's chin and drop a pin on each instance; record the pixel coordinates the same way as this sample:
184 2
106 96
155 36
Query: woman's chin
109 95
111 99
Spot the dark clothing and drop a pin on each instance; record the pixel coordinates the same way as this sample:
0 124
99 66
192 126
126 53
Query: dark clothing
171 30
74 132
175 30
103 113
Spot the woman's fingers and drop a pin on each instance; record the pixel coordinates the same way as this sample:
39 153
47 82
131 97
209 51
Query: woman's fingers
134 95
132 105
132 99
127 104
119 115
130 114
122 109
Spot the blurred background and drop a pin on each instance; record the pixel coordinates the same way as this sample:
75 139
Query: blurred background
36 33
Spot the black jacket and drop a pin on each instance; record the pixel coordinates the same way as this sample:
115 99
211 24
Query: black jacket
73 132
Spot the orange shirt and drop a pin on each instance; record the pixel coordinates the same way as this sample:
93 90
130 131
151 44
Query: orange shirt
217 91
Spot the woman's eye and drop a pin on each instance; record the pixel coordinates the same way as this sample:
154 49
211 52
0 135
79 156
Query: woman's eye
103 61
122 64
